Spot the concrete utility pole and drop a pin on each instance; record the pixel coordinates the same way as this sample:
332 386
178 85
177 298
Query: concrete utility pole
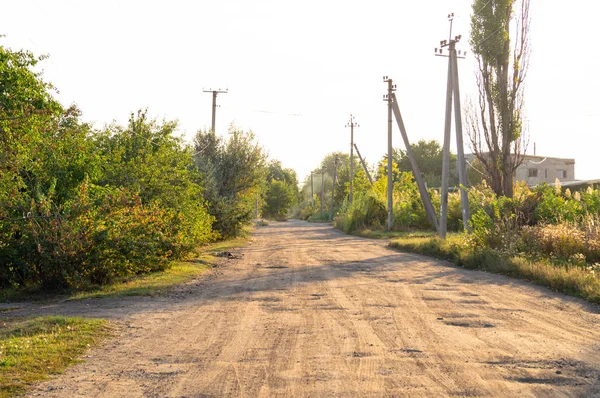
256 213
335 162
429 210
312 193
351 124
390 189
364 165
322 191
214 103
453 88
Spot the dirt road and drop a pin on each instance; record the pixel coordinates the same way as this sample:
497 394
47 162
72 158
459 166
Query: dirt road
312 312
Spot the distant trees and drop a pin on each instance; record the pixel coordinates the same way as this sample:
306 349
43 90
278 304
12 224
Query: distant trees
495 127
281 191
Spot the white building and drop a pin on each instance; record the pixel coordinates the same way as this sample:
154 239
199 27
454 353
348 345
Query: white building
535 170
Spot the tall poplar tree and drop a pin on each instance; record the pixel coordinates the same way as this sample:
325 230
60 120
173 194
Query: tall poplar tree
500 42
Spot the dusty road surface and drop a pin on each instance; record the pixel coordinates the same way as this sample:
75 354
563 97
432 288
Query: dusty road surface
310 312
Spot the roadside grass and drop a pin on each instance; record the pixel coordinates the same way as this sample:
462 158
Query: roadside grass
319 217
574 280
148 284
32 349
159 282
384 234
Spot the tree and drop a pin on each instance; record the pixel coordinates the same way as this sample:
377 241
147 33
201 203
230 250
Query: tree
279 199
281 191
495 128
233 173
428 155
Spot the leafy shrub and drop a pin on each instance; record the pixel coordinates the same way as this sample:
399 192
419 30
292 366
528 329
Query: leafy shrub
495 222
366 210
556 206
280 196
102 234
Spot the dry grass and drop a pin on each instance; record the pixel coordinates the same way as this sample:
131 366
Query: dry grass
571 279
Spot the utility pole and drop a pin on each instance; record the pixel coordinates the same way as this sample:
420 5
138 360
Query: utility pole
312 193
256 217
214 103
335 162
429 210
364 165
390 188
351 123
322 191
453 93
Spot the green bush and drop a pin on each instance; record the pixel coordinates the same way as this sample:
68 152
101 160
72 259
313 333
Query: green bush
366 210
102 234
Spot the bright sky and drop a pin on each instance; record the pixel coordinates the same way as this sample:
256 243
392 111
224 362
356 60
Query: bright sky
296 70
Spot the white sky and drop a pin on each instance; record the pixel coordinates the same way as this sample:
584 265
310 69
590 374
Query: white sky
296 70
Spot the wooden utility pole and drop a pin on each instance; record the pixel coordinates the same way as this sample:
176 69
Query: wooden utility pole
390 188
453 93
214 103
351 123
364 165
335 161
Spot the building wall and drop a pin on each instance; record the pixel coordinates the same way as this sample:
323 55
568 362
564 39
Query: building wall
537 169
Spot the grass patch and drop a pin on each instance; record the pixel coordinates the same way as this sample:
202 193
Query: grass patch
385 234
319 217
160 282
32 349
146 284
574 280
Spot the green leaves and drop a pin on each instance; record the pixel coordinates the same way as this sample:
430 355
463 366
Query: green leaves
233 173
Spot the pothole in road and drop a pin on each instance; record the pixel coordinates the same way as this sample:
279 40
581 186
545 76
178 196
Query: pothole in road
470 324
360 354
473 302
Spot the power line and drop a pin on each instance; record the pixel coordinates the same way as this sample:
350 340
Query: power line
489 36
483 8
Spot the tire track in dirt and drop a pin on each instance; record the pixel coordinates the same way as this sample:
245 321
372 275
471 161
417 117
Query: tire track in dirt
309 311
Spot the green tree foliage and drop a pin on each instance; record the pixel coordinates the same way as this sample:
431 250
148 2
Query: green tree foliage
280 197
281 192
78 206
232 173
495 127
428 155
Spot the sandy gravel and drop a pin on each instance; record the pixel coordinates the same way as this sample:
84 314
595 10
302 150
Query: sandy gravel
309 311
